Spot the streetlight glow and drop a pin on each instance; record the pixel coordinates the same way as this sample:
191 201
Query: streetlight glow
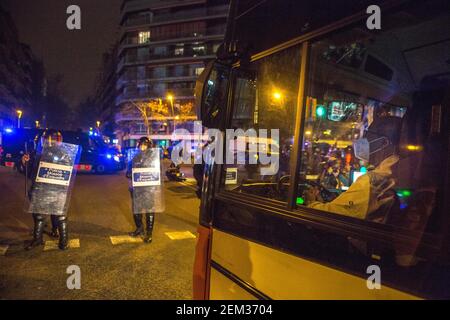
277 95
19 116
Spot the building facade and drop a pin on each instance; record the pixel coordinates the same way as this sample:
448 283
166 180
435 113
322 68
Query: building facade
163 47
105 94
16 73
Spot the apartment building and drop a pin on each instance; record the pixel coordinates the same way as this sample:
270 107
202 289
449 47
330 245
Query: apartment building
163 48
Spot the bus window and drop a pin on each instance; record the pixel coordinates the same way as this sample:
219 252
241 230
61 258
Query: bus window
369 151
264 108
214 96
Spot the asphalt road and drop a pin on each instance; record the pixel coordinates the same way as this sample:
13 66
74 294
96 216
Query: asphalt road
99 208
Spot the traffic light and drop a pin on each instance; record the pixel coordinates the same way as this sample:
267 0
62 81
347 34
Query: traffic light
321 111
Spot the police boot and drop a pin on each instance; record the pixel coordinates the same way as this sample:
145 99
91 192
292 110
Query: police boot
150 220
54 233
63 233
37 232
139 227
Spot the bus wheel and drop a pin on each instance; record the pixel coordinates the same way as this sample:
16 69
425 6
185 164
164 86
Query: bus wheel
100 169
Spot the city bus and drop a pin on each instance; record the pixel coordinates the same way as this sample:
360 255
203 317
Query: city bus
359 92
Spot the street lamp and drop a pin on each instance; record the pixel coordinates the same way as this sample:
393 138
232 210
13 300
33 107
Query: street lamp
170 98
97 124
38 125
277 96
19 116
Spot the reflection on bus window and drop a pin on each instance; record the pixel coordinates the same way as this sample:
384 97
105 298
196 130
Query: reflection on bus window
265 96
215 94
369 151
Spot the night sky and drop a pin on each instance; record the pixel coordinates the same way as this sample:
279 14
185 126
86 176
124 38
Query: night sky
76 54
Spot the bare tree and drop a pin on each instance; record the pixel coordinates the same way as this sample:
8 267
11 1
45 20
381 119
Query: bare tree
149 109
159 110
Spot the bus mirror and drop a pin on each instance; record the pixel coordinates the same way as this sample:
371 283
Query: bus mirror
210 94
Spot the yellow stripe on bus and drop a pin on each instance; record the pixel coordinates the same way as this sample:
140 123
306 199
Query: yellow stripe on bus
283 276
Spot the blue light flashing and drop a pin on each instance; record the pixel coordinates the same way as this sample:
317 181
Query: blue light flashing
9 130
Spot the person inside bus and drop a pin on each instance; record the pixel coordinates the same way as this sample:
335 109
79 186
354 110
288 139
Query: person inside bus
378 149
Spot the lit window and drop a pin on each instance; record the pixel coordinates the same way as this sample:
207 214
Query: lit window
179 51
216 47
144 37
198 48
198 71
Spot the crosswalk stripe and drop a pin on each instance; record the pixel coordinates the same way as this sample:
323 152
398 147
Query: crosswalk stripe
3 250
115 240
53 244
180 235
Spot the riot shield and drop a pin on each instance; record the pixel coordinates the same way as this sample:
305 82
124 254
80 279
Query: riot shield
147 182
53 178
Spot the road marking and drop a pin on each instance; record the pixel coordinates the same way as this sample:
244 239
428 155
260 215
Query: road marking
21 223
180 235
115 240
189 185
3 250
53 244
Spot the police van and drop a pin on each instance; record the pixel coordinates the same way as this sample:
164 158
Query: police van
96 156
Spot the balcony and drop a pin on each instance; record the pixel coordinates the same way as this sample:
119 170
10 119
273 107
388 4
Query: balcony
138 21
148 94
210 31
185 15
137 5
132 59
152 78
191 14
119 117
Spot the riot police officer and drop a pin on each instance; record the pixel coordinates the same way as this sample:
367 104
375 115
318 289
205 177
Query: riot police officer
144 173
49 192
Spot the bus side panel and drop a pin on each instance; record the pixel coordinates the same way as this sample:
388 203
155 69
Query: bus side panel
279 275
223 288
201 264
